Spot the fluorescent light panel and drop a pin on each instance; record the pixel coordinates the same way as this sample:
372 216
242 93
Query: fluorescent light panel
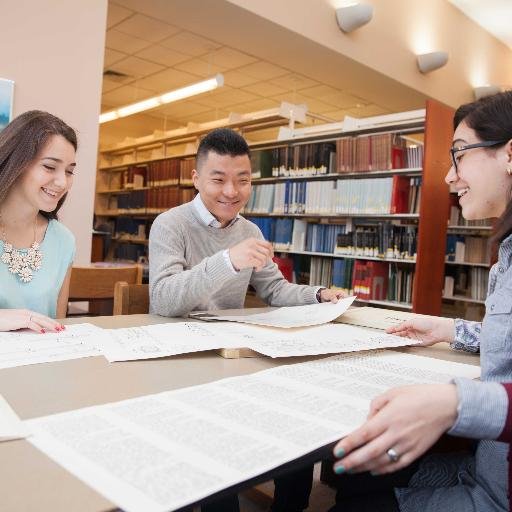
178 94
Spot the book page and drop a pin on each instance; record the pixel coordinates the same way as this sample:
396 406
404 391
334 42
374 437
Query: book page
292 316
28 347
165 451
11 427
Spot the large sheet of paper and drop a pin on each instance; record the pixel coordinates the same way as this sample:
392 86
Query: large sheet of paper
376 318
323 339
161 340
292 316
165 451
170 339
11 427
28 347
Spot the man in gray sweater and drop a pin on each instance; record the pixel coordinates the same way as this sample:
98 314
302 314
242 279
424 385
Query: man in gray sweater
203 255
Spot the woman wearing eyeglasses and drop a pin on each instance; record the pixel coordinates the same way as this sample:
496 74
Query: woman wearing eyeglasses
405 422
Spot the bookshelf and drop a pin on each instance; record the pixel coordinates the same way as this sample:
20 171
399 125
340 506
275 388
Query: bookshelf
467 263
130 195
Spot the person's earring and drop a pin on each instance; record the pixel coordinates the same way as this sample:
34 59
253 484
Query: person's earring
509 170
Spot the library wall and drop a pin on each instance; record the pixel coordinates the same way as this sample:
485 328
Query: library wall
388 43
53 50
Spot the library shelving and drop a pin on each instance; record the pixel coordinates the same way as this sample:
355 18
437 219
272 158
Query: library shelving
467 263
370 179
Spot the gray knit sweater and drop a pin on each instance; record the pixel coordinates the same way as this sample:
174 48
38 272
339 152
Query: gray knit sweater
187 270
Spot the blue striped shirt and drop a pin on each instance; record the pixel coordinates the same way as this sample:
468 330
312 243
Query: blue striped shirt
479 482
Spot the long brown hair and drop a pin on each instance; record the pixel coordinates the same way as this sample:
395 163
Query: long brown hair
20 143
491 119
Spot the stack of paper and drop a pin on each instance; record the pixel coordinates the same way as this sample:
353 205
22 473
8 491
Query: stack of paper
165 451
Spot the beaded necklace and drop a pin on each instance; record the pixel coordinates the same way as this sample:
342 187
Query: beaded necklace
19 262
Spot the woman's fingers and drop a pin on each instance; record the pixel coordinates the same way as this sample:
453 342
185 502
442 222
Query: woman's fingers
41 323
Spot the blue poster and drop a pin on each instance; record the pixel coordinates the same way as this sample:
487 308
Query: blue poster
6 97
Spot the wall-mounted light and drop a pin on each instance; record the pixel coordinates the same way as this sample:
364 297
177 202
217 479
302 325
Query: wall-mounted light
485 90
428 62
168 97
353 16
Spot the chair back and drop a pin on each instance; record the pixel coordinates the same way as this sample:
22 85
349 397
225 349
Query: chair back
131 299
90 282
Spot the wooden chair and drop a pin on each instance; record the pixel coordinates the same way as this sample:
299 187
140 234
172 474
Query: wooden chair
95 284
131 299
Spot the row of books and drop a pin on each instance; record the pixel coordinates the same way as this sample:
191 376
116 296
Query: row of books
467 249
150 200
171 171
129 227
299 160
400 285
369 280
470 283
371 153
393 195
129 252
379 239
298 235
382 240
347 154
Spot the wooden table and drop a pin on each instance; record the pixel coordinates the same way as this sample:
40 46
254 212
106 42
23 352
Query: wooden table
30 481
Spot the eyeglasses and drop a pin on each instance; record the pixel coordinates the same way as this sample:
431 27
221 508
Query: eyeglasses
484 144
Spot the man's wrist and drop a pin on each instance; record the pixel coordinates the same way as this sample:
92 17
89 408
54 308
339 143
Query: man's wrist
319 294
229 263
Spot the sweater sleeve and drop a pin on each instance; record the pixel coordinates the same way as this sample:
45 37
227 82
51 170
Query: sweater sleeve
275 290
174 291
482 410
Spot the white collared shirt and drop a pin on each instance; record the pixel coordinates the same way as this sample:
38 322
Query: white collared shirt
207 217
209 220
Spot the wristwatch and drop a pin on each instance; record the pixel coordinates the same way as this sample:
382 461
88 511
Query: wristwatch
319 294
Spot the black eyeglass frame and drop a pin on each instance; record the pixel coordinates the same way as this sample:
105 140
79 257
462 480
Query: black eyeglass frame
483 144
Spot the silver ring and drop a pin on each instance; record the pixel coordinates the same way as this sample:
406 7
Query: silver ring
393 456
30 319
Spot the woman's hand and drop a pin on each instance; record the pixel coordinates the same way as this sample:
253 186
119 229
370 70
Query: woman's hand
427 330
407 420
13 319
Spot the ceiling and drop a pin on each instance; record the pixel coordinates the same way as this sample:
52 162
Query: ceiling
494 16
146 55
153 46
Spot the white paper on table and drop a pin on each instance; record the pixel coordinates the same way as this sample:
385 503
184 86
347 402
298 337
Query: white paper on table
11 427
321 339
293 316
161 340
377 318
170 339
168 450
28 347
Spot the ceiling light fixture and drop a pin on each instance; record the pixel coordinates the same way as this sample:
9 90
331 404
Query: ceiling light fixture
353 16
168 97
428 62
485 90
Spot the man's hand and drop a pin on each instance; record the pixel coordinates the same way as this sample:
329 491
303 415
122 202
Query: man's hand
251 253
328 295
